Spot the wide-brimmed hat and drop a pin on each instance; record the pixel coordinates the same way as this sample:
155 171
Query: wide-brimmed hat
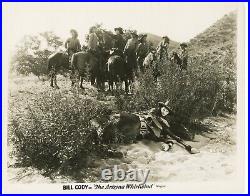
183 45
74 31
119 29
91 29
141 36
134 33
161 104
166 38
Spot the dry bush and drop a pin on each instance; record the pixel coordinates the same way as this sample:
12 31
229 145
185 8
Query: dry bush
56 130
206 88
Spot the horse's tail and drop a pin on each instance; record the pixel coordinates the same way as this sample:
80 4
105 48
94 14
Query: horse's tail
73 61
49 65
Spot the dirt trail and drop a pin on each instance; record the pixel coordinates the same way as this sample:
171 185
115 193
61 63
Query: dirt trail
216 160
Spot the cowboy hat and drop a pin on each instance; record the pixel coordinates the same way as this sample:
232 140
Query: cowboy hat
142 36
134 33
183 45
161 104
119 29
93 28
165 37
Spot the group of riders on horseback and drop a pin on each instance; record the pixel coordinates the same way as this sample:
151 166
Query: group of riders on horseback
109 57
122 61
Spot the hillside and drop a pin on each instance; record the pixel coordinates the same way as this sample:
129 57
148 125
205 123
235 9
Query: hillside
220 36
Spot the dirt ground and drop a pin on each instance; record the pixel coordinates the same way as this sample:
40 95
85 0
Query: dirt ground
216 160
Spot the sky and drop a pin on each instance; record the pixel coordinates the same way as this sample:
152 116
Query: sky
179 21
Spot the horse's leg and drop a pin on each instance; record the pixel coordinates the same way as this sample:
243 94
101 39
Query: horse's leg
98 83
81 82
51 81
110 81
109 86
72 75
118 83
92 79
52 75
126 86
55 80
103 83
112 87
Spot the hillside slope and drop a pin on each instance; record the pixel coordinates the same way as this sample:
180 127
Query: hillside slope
221 36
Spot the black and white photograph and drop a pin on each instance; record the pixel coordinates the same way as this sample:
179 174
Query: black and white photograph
124 97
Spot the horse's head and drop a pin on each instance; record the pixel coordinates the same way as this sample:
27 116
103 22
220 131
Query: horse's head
175 58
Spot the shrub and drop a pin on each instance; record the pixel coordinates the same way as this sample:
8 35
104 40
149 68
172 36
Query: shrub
57 130
207 87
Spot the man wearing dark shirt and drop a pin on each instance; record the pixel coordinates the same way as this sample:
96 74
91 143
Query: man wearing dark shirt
142 51
119 43
72 44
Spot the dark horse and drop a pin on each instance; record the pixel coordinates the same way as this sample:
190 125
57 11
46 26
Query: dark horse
56 62
117 71
177 60
84 63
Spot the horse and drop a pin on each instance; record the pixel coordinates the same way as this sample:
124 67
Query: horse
57 61
182 63
175 59
117 71
150 62
84 63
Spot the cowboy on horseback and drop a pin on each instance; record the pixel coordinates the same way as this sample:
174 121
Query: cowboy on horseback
119 41
162 48
130 54
142 51
72 44
93 40
184 56
96 49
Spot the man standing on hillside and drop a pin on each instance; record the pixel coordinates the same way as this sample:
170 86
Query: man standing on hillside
142 51
130 54
184 56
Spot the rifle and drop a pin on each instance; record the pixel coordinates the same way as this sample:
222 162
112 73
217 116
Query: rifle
189 148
